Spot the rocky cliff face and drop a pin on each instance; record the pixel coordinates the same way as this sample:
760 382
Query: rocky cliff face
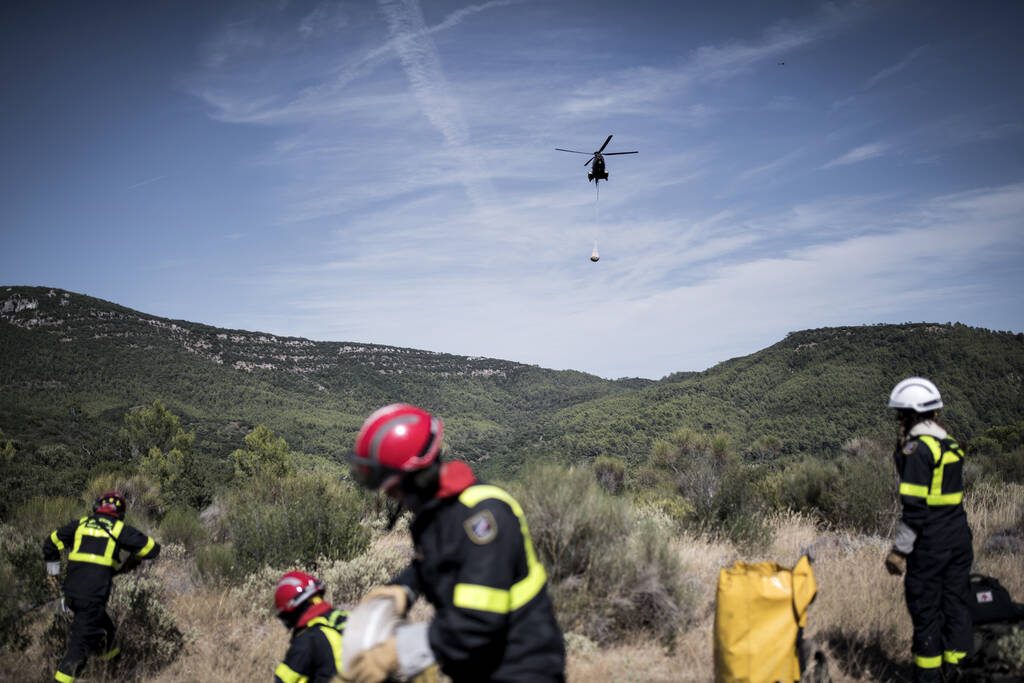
74 318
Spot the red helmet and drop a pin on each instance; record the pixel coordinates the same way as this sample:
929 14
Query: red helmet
110 503
293 590
395 439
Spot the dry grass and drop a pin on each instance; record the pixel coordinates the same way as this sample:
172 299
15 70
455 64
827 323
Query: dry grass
859 615
859 612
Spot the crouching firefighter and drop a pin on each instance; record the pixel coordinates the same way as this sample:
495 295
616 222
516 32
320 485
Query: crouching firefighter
314 653
933 540
474 562
99 546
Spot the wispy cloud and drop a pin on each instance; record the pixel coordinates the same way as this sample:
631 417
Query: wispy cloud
893 69
146 182
858 154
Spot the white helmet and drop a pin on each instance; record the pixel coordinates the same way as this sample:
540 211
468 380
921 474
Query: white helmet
917 394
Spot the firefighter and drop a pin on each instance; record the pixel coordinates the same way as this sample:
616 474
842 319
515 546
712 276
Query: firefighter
474 562
314 654
933 540
99 546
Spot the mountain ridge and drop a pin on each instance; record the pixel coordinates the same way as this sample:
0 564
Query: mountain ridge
809 392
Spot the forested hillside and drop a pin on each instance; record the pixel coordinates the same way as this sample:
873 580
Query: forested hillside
72 366
807 394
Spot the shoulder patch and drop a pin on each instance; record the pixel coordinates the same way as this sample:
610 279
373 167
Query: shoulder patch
909 447
481 527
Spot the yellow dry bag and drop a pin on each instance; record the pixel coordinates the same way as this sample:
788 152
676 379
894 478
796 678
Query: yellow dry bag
760 609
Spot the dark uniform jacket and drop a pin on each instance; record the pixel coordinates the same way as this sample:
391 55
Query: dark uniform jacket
930 466
475 563
314 655
95 544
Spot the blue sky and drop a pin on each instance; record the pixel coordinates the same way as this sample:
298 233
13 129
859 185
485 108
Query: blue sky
385 171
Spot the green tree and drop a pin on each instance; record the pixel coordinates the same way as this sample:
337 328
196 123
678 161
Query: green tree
265 453
156 427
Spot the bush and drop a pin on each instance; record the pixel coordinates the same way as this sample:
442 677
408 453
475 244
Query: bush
610 473
40 515
181 525
609 574
141 494
294 521
216 562
348 581
724 494
855 491
23 584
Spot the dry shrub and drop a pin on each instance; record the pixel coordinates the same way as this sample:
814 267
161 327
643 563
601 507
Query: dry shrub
140 493
40 515
182 526
610 573
293 521
348 581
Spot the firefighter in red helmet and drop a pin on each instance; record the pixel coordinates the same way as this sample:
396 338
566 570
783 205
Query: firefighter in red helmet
99 546
474 562
314 653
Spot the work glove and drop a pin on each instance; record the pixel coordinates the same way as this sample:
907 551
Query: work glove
375 665
895 562
399 595
428 675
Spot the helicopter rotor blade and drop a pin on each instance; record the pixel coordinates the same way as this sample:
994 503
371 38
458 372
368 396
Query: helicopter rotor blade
589 161
559 149
609 139
608 154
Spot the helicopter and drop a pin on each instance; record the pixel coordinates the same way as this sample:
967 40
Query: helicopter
597 172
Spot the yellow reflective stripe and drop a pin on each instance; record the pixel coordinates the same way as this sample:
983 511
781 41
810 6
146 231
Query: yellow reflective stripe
953 656
334 638
483 598
928 662
63 677
945 499
486 598
914 490
146 548
288 675
107 558
56 541
940 459
110 654
933 445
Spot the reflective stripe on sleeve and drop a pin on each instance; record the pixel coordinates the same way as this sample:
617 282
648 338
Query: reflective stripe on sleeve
927 662
56 541
953 656
146 548
498 600
289 675
63 677
913 490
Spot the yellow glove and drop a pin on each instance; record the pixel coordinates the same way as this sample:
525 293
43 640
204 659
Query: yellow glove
375 665
398 594
895 562
428 675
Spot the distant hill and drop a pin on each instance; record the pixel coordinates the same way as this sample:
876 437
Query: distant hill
71 365
808 393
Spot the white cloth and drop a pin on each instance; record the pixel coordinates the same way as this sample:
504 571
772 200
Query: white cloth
53 568
414 653
928 428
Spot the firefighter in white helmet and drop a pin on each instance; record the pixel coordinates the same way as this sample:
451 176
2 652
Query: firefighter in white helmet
933 541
